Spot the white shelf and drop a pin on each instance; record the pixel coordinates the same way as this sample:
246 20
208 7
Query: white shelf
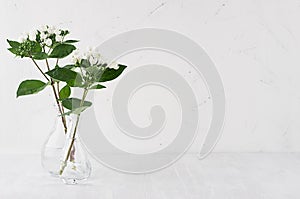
220 176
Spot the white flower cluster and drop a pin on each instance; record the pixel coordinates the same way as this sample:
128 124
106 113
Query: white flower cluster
93 56
45 33
76 57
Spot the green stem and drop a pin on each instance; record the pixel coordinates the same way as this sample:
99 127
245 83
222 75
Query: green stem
64 163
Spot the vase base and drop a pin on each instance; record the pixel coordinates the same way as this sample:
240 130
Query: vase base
70 181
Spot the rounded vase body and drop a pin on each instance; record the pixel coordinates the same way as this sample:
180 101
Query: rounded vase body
75 166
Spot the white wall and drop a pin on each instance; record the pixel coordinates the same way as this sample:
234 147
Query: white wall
255 45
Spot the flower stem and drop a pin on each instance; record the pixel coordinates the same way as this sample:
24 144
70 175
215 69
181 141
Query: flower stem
60 107
54 92
40 69
63 118
64 163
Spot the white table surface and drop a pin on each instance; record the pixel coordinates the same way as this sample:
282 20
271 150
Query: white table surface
220 176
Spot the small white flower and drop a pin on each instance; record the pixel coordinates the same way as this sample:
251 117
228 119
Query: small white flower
113 65
43 36
87 54
93 61
58 38
93 56
43 28
97 55
23 37
32 35
76 57
51 29
57 32
75 60
48 42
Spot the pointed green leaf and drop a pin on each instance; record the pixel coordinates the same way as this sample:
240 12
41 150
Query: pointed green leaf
40 56
76 111
62 50
13 44
71 41
28 87
14 51
98 86
69 66
74 103
65 92
63 74
110 73
78 82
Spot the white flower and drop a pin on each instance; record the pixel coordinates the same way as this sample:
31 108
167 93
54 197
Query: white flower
48 42
113 65
58 38
32 35
76 57
75 60
97 56
51 29
43 28
93 61
89 52
23 37
57 32
43 36
93 56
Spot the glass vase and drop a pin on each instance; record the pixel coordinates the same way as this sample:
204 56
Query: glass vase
74 166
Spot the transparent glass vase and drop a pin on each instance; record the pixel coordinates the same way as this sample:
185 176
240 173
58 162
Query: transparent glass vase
52 149
74 166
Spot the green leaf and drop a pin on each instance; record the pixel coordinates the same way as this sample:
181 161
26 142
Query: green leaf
55 44
76 111
40 56
65 92
62 50
110 73
78 82
28 87
37 48
63 74
71 41
13 44
98 86
74 103
69 66
13 50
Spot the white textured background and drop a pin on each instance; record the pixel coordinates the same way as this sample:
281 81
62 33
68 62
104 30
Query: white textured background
255 45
